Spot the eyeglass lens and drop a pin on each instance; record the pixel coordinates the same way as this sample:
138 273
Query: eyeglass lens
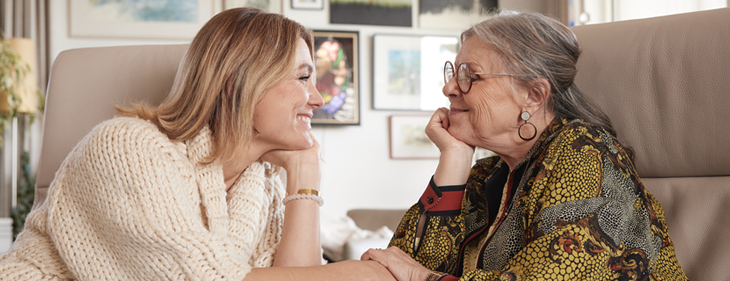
462 73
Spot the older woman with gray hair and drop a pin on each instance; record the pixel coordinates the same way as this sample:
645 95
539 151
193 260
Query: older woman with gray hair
560 200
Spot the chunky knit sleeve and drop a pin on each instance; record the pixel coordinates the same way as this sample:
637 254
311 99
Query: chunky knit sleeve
120 208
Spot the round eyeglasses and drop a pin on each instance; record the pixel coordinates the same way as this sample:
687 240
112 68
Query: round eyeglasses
463 75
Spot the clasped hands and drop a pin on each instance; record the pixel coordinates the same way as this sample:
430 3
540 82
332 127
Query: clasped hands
400 264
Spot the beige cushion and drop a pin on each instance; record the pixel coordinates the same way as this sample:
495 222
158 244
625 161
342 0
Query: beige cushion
372 219
665 83
697 212
85 85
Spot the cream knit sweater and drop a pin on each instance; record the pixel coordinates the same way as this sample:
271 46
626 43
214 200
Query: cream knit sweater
129 204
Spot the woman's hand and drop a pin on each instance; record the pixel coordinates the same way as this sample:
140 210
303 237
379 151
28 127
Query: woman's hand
288 159
437 131
455 160
302 166
402 266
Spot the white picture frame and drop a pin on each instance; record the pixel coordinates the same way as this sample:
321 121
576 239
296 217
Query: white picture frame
119 20
408 138
307 4
408 71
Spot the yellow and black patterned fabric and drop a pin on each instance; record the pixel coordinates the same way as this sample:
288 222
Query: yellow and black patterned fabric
579 212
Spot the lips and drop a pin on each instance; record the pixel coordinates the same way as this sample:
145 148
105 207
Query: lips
306 118
455 110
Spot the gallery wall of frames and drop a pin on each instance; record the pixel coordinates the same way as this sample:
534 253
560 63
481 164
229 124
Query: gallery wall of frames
379 69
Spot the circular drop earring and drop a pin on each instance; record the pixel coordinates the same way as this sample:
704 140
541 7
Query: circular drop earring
526 116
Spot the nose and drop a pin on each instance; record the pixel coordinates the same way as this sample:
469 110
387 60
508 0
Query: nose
451 89
315 99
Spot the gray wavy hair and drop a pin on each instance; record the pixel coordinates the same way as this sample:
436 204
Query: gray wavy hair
536 46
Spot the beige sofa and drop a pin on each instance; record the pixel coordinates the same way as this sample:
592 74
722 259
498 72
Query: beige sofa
664 82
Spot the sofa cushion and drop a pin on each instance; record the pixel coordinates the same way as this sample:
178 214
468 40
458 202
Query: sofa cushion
697 211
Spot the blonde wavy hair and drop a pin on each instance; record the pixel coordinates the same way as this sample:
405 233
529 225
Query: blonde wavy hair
235 57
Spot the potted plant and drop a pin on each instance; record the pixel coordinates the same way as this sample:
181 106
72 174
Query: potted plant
19 95
13 71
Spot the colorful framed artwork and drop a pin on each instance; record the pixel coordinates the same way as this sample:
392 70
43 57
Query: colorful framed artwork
273 6
372 12
307 4
457 15
337 68
408 138
408 71
160 19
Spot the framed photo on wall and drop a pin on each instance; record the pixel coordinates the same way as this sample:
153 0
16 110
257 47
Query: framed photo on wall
372 12
163 19
439 14
307 4
337 69
408 138
408 71
273 6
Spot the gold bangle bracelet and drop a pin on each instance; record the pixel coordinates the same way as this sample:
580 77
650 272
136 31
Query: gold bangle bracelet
306 191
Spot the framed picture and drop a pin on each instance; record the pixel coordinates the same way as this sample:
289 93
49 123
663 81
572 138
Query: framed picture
372 12
307 4
408 71
439 14
161 19
337 69
273 6
408 138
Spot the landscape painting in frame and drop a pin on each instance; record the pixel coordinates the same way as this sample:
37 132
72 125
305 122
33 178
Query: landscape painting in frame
408 139
147 19
408 71
372 12
336 63
453 14
273 6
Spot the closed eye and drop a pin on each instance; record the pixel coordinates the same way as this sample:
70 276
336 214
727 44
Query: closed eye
305 77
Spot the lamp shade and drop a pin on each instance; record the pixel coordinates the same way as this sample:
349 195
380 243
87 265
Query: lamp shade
27 88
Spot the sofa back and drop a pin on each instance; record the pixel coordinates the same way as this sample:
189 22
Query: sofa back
86 84
665 84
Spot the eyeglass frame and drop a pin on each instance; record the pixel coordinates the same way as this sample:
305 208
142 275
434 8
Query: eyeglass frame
455 73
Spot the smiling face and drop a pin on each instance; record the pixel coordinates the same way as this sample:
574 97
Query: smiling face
488 115
282 117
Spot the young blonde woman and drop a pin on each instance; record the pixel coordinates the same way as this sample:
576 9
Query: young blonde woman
190 190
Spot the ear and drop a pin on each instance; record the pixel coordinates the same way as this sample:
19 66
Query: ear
538 92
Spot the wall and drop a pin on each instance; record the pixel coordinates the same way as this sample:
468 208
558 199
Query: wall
633 9
602 11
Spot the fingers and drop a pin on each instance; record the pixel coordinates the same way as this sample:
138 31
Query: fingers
437 130
444 115
440 116
366 255
400 264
